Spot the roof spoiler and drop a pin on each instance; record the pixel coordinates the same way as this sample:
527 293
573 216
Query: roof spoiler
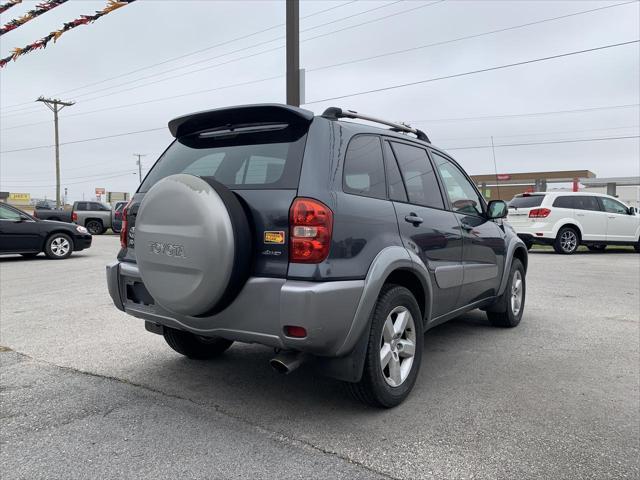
244 114
335 113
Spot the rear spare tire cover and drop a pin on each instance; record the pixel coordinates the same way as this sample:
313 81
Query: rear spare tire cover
193 244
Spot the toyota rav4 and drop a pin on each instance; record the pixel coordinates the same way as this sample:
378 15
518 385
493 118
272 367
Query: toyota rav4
337 243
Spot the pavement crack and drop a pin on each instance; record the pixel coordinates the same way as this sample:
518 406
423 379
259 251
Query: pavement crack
273 434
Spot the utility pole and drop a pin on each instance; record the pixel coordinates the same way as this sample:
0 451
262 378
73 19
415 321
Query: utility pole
55 106
293 52
139 163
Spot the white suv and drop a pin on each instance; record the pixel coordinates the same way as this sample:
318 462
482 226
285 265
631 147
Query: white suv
569 219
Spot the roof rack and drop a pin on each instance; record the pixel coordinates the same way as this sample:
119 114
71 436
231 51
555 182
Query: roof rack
335 113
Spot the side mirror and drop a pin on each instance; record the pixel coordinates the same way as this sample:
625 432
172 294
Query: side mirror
497 209
632 210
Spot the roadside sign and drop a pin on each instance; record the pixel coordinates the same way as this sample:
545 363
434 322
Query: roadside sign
100 191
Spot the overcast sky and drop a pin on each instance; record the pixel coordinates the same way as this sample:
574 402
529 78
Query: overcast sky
150 32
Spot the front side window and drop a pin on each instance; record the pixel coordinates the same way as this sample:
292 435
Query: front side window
7 213
419 177
462 194
613 206
364 167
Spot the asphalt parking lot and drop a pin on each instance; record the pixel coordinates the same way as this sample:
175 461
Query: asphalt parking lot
88 393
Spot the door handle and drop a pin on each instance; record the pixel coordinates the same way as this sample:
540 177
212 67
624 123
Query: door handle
414 219
611 217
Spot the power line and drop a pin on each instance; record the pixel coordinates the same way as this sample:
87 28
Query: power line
552 142
466 37
83 177
85 140
530 134
179 57
499 67
325 66
534 114
77 183
129 82
171 97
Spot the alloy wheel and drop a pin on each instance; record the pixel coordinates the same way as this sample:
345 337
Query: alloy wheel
60 246
569 241
397 346
516 293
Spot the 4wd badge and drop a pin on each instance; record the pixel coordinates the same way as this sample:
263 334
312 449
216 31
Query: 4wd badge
276 237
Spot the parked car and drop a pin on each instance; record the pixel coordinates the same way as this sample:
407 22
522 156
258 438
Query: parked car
567 220
45 212
95 216
116 217
337 243
21 233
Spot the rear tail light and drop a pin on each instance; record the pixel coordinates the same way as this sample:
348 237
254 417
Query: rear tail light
539 213
124 230
311 224
74 217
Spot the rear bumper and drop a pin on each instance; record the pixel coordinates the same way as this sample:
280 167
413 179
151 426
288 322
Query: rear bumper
528 238
539 231
260 312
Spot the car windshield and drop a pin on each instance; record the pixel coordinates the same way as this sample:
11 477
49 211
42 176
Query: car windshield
526 201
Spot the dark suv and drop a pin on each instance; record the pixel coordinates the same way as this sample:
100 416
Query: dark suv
337 243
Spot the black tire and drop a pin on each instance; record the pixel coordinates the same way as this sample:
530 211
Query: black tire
373 388
596 248
567 241
95 227
502 313
194 346
30 255
58 246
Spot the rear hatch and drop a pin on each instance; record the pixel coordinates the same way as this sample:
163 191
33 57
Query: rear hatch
256 152
521 205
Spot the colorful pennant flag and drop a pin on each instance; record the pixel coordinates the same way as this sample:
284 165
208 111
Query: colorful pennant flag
55 35
31 14
6 6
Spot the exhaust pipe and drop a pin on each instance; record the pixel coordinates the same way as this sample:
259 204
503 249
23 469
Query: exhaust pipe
286 362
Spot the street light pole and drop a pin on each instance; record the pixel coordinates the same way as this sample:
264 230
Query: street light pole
139 162
55 106
293 52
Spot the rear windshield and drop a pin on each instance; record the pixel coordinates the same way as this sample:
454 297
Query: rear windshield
255 160
526 201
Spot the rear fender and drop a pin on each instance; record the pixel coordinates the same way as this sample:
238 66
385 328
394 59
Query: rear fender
349 360
386 262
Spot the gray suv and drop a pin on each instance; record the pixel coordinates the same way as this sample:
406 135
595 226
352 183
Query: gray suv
336 243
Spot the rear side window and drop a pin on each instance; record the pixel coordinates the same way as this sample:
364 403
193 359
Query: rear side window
526 201
364 168
565 202
419 177
81 207
268 159
578 202
394 179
